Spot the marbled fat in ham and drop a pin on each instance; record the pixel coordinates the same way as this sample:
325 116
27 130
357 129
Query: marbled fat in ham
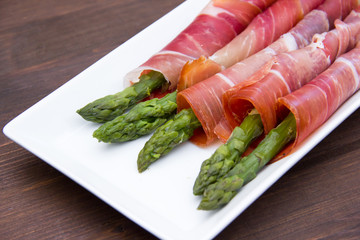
264 29
316 101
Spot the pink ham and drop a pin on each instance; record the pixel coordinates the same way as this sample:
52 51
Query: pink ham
264 29
288 72
205 97
316 101
218 23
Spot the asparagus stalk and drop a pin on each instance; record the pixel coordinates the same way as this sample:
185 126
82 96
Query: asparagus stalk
228 154
168 136
109 107
141 120
221 192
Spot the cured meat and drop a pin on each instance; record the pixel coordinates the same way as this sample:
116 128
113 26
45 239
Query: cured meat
205 97
218 23
316 101
266 27
288 72
196 71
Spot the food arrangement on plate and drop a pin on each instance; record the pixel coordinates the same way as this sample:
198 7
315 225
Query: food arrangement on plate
260 76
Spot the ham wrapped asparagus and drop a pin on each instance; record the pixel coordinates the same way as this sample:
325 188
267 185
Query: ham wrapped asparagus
309 107
295 68
316 101
288 72
216 25
205 97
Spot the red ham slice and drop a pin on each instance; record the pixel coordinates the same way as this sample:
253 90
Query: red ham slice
205 97
218 23
288 72
316 101
264 29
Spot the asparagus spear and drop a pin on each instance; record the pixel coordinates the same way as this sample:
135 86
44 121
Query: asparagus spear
221 192
141 120
107 108
167 137
228 154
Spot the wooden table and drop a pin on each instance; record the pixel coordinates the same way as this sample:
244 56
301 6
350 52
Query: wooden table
43 44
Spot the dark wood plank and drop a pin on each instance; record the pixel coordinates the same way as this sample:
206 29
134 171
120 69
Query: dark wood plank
43 44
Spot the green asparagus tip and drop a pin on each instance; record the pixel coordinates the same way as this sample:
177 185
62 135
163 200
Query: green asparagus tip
228 154
168 136
109 107
220 193
223 190
141 120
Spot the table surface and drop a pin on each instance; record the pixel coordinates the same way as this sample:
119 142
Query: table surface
43 44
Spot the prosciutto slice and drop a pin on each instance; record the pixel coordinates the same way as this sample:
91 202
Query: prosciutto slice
266 27
316 101
288 72
217 24
205 97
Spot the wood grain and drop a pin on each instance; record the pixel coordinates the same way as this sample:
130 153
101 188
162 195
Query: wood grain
43 44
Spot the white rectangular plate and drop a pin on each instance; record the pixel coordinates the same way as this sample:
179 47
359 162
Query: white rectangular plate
160 199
